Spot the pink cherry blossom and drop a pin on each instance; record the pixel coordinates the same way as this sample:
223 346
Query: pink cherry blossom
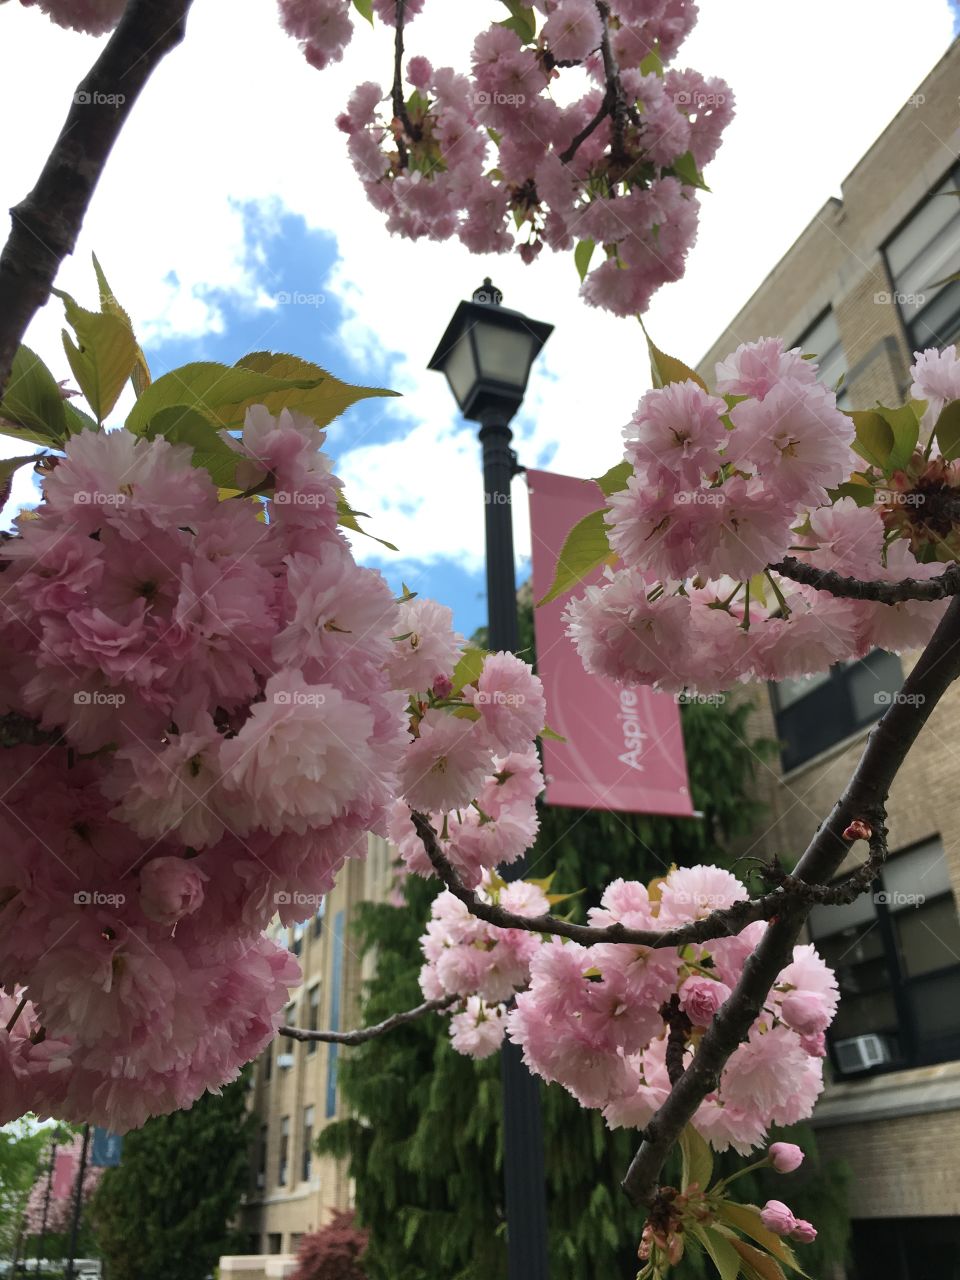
445 767
170 888
700 998
510 700
776 1217
785 1156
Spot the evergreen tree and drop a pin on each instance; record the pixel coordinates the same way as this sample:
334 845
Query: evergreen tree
165 1212
425 1141
23 1151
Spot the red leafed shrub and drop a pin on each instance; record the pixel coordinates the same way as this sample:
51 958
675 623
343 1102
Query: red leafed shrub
333 1253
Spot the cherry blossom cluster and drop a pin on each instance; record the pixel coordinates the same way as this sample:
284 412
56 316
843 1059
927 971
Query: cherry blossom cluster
602 1020
723 486
494 159
94 17
210 705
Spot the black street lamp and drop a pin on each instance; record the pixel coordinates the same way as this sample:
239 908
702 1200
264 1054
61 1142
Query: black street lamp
486 355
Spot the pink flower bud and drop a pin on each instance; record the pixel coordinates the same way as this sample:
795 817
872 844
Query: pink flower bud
805 1012
700 998
858 830
804 1232
170 888
815 1045
785 1156
442 687
419 72
776 1217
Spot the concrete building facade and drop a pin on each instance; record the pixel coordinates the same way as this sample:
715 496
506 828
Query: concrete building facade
860 289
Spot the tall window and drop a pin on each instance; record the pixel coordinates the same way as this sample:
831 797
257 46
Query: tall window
822 340
284 1162
318 918
924 251
896 954
313 1017
268 1063
307 1144
296 938
815 713
262 1156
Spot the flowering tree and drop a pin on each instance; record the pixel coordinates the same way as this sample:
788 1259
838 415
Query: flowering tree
335 1252
208 703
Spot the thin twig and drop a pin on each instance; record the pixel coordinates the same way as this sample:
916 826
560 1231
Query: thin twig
47 223
945 584
864 798
17 1012
362 1034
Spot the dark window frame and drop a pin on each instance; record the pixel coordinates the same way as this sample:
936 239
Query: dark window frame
916 341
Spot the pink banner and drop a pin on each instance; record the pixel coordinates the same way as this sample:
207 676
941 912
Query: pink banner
64 1173
624 747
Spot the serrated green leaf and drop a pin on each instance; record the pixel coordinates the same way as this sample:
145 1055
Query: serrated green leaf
103 355
140 377
468 669
584 549
320 395
615 479
208 386
348 518
721 1250
181 425
863 493
665 369
755 1263
582 255
685 167
746 1219
947 431
77 420
551 734
521 20
697 1160
652 64
8 468
905 425
874 437
32 406
365 9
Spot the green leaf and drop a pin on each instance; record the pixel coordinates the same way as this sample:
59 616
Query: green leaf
697 1160
947 430
32 404
582 255
551 734
182 425
140 377
685 167
467 671
863 493
665 369
722 1253
615 479
746 1219
652 64
521 20
584 549
209 387
755 1263
365 9
905 425
348 518
102 357
874 440
8 468
311 390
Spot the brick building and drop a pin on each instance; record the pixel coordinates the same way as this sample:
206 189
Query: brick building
859 289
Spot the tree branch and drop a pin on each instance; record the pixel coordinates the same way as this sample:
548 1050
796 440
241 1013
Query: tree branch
47 223
362 1034
863 798
946 584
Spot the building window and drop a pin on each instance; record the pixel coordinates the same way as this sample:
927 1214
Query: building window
268 1063
296 938
822 340
284 1161
906 1248
274 1242
313 1017
307 1144
262 1157
923 252
318 918
815 713
896 954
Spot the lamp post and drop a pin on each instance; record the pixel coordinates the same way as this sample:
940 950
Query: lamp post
486 355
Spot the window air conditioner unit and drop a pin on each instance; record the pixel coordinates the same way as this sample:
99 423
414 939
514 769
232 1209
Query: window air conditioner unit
284 1060
860 1053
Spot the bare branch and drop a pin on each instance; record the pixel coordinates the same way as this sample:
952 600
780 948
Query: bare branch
362 1034
864 798
17 1012
46 225
946 584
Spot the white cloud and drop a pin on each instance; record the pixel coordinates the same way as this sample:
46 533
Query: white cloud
236 115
